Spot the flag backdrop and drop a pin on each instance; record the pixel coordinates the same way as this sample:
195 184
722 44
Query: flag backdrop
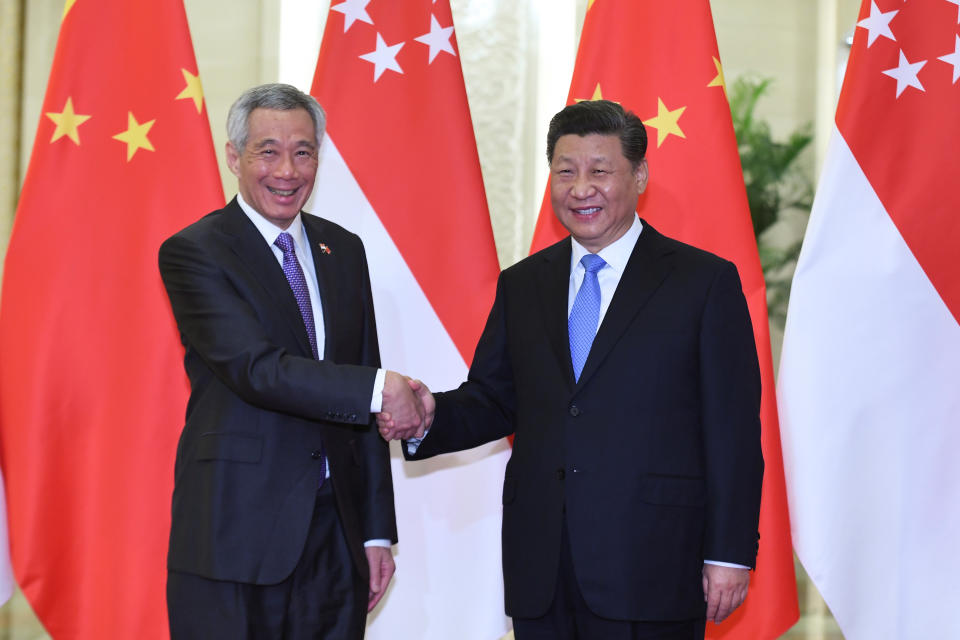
92 388
399 166
660 60
871 358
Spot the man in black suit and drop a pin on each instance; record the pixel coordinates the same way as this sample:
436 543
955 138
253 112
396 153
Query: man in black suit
283 511
631 500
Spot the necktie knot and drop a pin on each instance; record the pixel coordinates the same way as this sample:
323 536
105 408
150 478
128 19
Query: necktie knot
285 242
592 263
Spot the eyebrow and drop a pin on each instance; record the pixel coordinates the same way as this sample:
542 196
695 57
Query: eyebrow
310 144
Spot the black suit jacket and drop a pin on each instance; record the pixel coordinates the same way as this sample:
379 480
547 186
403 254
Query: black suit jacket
653 456
261 407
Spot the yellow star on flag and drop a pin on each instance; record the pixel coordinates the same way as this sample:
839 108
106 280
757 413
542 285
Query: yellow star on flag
193 89
66 8
718 81
597 95
590 4
665 122
68 123
135 136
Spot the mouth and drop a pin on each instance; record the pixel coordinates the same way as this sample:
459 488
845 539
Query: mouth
586 211
283 193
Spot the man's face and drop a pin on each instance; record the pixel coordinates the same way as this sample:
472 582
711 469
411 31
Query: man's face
277 167
593 188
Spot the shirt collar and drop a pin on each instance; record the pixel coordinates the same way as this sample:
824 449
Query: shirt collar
270 231
616 254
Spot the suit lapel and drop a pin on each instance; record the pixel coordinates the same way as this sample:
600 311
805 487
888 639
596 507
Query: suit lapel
323 263
647 268
553 287
247 242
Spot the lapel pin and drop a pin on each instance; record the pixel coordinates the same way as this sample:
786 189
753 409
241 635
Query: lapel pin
324 249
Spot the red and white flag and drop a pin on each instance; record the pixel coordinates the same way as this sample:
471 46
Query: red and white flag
660 60
92 388
399 166
869 380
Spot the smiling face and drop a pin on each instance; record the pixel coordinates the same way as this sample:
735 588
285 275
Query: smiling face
277 166
594 189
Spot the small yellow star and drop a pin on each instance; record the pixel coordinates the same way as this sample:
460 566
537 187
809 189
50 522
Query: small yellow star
66 8
590 4
718 81
68 123
135 136
597 95
193 89
665 122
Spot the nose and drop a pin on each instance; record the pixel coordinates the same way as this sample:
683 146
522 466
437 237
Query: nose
582 187
286 168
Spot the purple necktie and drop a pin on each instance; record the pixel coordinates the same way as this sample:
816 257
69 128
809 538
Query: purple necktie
291 269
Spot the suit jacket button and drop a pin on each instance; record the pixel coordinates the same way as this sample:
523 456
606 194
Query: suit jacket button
353 417
561 474
316 454
574 411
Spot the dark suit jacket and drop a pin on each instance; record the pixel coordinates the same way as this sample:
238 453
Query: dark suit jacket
654 455
261 407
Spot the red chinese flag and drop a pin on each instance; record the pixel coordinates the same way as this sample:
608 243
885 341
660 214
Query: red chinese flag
660 60
92 389
399 166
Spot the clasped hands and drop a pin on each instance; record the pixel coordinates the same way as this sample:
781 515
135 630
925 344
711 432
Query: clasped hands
407 409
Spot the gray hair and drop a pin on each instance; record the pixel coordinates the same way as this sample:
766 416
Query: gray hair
282 97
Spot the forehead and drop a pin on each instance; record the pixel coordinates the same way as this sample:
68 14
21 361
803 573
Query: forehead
277 124
593 146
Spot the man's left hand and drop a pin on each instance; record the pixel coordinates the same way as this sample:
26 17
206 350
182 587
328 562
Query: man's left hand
382 567
724 589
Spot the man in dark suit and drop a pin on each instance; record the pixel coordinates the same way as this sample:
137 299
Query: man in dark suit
283 510
631 500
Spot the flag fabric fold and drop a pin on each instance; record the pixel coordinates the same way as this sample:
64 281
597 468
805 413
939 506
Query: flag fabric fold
871 355
660 60
399 167
92 389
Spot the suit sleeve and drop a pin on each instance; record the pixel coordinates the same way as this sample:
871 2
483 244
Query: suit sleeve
482 409
730 400
226 331
379 518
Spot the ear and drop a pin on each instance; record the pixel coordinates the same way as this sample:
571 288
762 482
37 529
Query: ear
233 159
641 175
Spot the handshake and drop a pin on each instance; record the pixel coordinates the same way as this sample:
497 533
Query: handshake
407 409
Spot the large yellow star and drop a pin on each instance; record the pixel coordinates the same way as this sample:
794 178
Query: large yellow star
193 89
66 8
135 136
665 122
68 123
718 81
597 95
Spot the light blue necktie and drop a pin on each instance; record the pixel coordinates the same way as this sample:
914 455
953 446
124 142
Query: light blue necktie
585 314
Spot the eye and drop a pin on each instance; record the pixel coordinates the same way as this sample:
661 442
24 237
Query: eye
598 172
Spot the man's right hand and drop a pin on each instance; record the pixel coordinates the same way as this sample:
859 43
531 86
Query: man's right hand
392 428
401 405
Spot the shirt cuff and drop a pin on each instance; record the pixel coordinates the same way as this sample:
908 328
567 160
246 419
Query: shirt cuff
376 400
377 542
414 443
726 564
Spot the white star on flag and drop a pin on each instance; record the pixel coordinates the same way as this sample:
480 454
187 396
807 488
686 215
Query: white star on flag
383 57
905 74
878 24
954 59
352 11
438 39
956 2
